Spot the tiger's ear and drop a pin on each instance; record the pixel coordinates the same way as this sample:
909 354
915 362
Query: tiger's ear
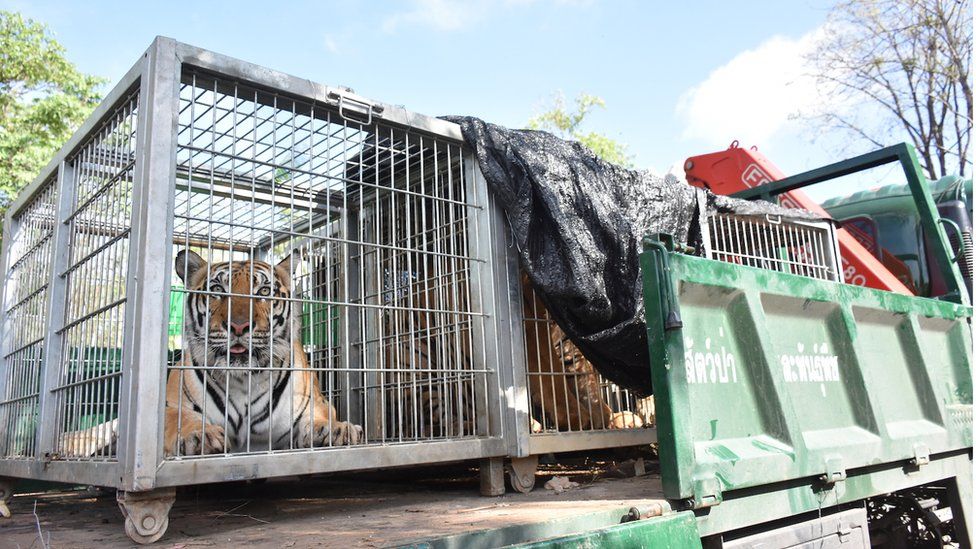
187 264
294 257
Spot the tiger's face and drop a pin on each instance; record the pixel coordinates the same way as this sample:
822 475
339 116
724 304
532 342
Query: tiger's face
236 313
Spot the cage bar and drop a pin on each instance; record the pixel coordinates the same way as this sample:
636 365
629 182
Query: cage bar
91 327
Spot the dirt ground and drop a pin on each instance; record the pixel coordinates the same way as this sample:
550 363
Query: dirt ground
376 509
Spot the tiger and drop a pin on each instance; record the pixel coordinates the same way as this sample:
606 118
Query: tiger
215 401
563 385
224 337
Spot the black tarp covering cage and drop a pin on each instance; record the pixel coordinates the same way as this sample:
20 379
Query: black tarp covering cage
578 222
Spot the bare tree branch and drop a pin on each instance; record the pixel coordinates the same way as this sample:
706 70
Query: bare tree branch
901 70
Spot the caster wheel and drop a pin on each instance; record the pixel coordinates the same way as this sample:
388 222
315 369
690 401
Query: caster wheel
145 539
6 492
146 513
520 484
521 473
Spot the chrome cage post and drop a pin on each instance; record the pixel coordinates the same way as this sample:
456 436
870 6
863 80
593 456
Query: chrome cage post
53 354
141 413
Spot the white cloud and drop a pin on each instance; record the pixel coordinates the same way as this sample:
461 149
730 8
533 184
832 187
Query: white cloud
330 44
445 15
753 96
453 15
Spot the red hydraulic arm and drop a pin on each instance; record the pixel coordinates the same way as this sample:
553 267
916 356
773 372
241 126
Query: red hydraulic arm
736 169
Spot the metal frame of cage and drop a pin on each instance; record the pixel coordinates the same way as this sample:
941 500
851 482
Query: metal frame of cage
125 183
88 258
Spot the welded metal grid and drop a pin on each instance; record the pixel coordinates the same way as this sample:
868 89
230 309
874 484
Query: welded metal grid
91 330
566 393
377 221
26 281
774 243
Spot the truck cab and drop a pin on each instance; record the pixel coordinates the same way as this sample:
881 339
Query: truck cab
885 220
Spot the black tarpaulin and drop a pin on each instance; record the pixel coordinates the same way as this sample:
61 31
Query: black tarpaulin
578 222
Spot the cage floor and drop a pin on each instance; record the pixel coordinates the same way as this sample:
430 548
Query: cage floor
367 510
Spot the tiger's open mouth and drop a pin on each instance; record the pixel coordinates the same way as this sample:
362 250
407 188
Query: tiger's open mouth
238 349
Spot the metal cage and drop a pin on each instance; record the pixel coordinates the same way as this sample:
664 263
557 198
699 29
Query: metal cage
375 233
231 273
805 248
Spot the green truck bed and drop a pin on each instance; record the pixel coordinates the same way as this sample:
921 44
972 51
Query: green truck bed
779 395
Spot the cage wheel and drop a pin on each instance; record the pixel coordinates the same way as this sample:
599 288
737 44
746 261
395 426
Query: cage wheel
145 539
521 473
146 513
6 492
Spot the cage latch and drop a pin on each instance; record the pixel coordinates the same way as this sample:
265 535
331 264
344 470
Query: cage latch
844 531
354 108
655 509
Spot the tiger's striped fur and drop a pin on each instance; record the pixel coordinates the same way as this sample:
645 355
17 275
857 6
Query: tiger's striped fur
244 381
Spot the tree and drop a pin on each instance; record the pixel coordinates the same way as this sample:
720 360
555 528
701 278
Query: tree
43 99
897 68
567 125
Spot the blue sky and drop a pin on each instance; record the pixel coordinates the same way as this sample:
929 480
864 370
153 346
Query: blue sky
677 80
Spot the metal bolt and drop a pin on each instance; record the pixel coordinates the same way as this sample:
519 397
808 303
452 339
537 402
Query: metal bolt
689 165
148 522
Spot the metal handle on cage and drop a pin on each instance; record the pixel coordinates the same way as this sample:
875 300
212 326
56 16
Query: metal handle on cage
350 104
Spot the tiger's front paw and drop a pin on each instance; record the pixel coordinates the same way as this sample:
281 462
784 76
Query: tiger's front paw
201 440
348 434
625 420
339 433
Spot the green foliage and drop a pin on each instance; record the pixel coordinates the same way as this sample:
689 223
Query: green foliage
43 98
567 124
